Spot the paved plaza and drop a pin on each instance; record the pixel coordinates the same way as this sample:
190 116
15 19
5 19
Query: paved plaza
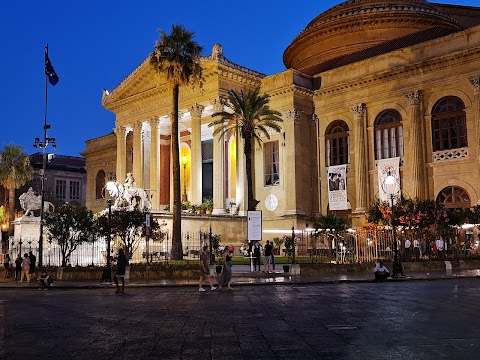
391 320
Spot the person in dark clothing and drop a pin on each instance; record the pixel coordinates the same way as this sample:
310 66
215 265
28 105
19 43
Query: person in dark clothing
45 280
33 259
256 256
18 267
120 273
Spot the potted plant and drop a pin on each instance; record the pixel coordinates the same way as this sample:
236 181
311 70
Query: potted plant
289 251
208 204
186 206
194 208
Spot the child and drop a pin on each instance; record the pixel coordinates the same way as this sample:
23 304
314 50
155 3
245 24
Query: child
45 280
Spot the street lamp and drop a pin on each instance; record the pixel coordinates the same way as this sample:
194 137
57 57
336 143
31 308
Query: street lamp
390 188
43 144
184 163
107 272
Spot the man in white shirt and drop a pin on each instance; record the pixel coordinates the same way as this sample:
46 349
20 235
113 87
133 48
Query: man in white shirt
440 246
408 244
416 249
381 272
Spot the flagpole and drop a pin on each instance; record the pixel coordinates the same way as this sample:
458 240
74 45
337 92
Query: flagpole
44 166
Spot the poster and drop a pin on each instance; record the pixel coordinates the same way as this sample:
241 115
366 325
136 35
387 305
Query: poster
384 166
337 187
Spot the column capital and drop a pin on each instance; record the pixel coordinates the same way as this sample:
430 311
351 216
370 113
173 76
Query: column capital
154 122
358 110
313 120
475 82
414 97
196 110
120 131
293 115
218 104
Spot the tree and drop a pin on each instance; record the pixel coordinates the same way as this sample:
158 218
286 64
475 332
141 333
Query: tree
251 117
335 224
129 226
15 171
70 226
177 57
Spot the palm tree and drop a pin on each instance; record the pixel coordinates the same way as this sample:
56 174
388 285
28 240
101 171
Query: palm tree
177 57
252 117
15 171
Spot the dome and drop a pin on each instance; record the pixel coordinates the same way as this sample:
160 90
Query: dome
356 25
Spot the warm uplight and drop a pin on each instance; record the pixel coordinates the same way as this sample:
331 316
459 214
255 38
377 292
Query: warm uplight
184 159
390 179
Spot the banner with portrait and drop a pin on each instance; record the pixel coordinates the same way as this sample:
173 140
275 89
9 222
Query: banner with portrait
337 187
385 166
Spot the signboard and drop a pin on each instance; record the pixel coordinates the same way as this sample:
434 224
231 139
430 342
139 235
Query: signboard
254 225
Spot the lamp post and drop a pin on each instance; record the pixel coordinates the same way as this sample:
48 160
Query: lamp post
43 144
107 272
184 163
389 187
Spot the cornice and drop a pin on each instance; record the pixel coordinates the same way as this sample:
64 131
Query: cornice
291 90
409 71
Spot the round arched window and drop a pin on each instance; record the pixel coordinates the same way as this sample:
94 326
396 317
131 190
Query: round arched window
454 197
449 129
337 144
388 135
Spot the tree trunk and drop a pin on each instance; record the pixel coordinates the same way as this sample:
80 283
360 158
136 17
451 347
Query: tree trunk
11 210
177 204
252 203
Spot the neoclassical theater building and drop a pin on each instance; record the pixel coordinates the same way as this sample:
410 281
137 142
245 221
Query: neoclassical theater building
365 81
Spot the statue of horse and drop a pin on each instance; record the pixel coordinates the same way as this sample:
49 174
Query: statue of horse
124 192
31 202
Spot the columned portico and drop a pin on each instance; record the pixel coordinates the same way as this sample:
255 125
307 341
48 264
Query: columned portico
417 146
361 180
196 154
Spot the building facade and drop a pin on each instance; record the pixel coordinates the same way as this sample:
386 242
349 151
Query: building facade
366 81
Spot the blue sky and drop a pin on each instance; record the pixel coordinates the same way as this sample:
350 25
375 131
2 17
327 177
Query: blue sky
95 44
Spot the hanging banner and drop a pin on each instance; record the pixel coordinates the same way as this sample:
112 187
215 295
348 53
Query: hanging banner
383 167
337 187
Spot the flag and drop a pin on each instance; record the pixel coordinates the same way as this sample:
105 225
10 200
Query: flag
50 71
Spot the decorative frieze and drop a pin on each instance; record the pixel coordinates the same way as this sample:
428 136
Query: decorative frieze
414 98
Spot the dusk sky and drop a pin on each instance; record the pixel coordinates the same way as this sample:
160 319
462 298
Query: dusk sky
96 44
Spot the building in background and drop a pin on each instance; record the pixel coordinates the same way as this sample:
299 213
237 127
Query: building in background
368 84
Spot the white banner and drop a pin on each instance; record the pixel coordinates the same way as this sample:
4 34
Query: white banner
337 187
254 225
383 167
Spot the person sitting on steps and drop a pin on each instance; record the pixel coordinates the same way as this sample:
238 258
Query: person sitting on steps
381 271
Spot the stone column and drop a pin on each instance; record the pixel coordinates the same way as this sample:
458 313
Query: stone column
361 161
475 82
218 164
121 133
154 163
292 117
241 190
417 147
196 154
137 154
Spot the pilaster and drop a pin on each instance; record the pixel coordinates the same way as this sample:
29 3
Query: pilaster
121 133
292 117
218 163
196 154
137 153
361 174
154 163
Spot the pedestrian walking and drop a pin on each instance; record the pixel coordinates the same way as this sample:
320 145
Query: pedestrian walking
205 270
7 264
18 267
25 268
267 260
256 256
407 245
226 278
33 260
120 272
416 249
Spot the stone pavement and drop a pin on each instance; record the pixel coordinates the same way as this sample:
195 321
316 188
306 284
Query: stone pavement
243 276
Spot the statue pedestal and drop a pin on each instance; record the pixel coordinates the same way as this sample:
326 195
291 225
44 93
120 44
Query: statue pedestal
27 229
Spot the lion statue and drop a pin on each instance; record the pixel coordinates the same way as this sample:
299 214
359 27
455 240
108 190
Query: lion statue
30 202
125 194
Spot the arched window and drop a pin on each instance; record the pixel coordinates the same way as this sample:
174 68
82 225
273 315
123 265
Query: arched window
449 129
337 143
454 197
99 184
388 135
